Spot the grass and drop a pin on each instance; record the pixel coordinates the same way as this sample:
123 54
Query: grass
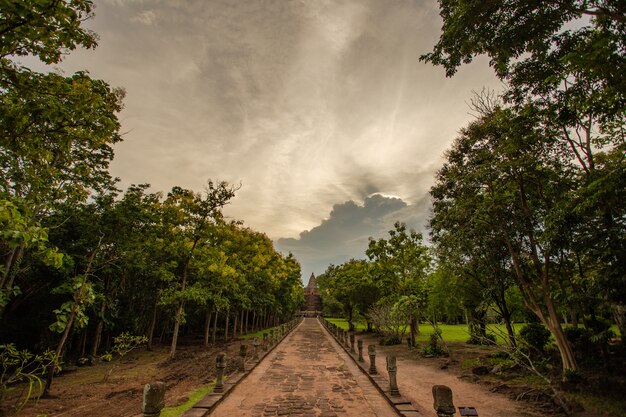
194 397
449 332
259 333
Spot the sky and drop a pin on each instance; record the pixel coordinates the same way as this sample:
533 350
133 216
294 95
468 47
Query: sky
320 109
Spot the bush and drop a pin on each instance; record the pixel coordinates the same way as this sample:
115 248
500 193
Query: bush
391 340
534 336
434 347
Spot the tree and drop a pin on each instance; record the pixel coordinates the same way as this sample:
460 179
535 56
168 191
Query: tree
502 170
400 266
566 58
189 218
56 132
351 285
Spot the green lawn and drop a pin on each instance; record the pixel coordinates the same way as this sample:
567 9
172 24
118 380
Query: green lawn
450 332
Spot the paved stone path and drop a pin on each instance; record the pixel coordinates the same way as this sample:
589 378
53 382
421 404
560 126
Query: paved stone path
308 374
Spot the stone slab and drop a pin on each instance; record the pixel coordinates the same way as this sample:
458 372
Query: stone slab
410 413
208 400
196 412
405 407
399 400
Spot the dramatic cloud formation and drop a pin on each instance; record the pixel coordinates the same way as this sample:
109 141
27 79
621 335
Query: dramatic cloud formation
305 103
345 234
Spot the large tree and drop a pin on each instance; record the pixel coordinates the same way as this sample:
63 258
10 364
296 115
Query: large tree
56 131
502 179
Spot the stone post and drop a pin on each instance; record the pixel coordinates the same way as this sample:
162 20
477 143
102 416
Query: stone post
272 337
220 365
264 346
444 407
347 339
392 370
359 344
153 399
255 343
352 342
371 350
243 351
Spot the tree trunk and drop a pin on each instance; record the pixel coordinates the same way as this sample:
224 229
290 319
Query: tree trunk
235 323
58 351
179 314
247 321
207 327
83 343
217 313
226 326
98 334
153 322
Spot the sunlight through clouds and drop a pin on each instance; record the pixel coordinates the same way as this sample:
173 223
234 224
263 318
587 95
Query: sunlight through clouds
307 104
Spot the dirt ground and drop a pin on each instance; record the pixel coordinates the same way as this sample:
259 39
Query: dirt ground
83 392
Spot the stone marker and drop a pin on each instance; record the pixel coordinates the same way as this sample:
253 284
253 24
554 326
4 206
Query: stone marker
347 339
264 346
153 399
359 345
371 350
220 365
255 343
444 407
243 351
272 337
352 342
392 370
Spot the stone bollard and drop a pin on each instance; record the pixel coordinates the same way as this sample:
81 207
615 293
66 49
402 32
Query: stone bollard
243 351
371 350
272 337
264 345
153 399
444 407
352 342
392 370
255 343
359 344
347 340
220 365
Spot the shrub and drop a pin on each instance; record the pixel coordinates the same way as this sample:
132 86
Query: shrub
434 347
389 341
534 336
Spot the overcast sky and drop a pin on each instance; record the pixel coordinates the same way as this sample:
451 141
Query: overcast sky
319 108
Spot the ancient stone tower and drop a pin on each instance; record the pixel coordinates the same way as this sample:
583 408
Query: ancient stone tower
312 299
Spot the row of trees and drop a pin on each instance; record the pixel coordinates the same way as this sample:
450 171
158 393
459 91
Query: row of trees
83 261
528 210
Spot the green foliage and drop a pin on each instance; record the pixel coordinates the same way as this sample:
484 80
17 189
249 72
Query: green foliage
535 337
122 345
24 367
434 347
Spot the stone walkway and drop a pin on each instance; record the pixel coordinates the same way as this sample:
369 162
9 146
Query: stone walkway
308 374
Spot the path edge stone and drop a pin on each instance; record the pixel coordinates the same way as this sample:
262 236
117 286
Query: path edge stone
401 405
205 406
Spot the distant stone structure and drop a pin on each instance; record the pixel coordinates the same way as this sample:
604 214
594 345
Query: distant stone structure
312 299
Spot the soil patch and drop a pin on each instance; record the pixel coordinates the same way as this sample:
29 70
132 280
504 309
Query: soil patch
84 392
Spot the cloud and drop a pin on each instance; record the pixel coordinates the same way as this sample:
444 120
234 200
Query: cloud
345 233
306 103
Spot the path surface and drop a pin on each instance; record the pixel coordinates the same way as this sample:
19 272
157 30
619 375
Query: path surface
308 374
